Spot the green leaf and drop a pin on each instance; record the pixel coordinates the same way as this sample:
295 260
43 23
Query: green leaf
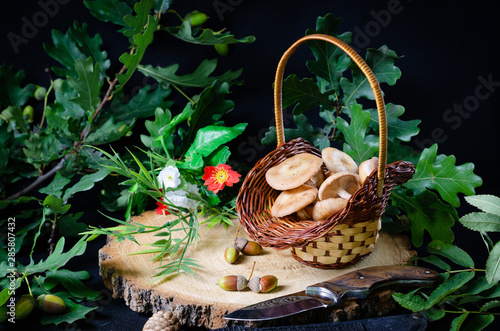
433 314
109 131
41 149
381 61
109 10
411 301
74 311
449 286
396 128
87 85
135 23
65 51
457 322
305 93
56 186
330 61
132 61
478 322
485 202
358 144
479 221
440 173
493 265
57 259
72 281
56 205
427 213
452 252
435 260
141 105
166 76
207 36
11 92
208 139
86 182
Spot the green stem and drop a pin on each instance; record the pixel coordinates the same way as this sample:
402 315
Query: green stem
183 94
28 284
469 311
465 270
45 102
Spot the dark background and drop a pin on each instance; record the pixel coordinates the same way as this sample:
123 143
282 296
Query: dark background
446 49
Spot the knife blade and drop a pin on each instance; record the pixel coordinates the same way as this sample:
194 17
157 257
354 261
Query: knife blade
356 284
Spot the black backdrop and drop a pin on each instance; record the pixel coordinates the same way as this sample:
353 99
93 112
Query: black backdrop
449 64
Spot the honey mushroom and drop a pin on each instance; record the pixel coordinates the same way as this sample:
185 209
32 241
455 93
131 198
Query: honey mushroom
337 161
325 208
366 168
339 185
294 171
290 201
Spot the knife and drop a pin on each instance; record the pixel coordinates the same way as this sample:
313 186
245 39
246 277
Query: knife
355 284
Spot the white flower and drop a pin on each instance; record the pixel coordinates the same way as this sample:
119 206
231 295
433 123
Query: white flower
177 198
169 177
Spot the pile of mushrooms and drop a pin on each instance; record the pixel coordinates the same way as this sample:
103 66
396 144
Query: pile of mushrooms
316 187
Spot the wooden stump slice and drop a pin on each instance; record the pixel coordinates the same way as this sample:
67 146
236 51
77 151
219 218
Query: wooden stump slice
197 300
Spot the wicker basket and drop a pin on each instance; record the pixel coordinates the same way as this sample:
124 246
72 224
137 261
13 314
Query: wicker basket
346 236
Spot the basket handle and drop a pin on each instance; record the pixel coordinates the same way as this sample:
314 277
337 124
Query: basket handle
278 84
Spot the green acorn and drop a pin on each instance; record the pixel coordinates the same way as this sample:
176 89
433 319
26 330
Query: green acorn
231 254
51 304
233 283
24 306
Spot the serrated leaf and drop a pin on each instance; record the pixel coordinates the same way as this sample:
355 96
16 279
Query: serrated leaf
396 128
427 213
493 265
11 92
358 144
457 322
478 322
206 37
330 61
381 61
201 78
87 85
65 51
479 221
433 314
440 173
305 93
411 301
452 252
86 182
131 61
436 261
485 202
109 10
449 286
41 149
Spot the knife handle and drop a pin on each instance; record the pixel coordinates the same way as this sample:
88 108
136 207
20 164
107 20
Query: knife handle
361 282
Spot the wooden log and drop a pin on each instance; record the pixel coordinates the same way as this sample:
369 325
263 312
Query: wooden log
198 301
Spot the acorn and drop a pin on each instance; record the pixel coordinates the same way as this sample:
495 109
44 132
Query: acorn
24 306
231 254
51 304
233 283
263 284
247 247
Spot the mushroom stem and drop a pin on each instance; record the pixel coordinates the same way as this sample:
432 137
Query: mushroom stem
344 194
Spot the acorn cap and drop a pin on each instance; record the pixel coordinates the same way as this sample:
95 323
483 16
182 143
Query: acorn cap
337 161
339 185
366 168
326 208
290 201
293 172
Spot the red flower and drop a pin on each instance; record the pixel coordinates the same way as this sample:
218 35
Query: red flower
162 208
217 177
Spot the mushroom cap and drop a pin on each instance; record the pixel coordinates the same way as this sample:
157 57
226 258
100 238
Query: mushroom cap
366 168
306 212
293 172
290 201
325 208
337 161
337 184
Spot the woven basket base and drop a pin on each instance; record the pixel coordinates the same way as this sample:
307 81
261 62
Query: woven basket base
342 246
